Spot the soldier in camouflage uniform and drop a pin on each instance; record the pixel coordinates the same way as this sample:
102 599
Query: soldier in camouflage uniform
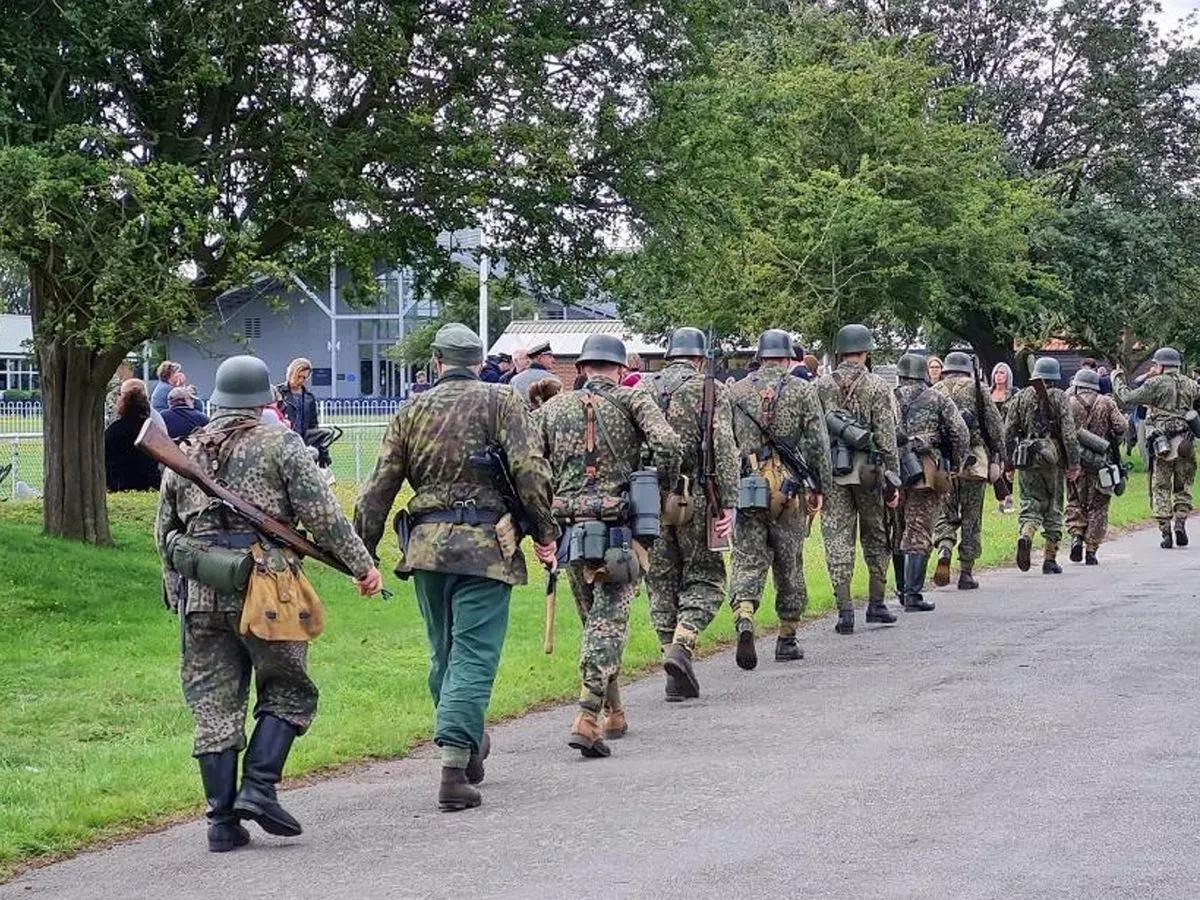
1168 397
962 506
593 439
462 546
936 433
686 581
772 400
858 499
1087 503
269 467
1049 441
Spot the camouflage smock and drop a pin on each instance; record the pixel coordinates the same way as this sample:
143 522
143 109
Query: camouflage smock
870 401
269 466
1167 398
678 390
961 389
795 415
933 417
1026 421
429 442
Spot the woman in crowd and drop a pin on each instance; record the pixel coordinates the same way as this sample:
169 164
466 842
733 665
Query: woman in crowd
299 404
1002 395
126 468
935 369
170 375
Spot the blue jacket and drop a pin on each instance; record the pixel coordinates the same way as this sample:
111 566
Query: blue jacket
182 421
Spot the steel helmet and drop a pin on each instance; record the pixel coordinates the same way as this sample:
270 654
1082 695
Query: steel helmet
914 367
1169 357
242 382
602 348
687 341
1087 379
775 343
854 339
1047 369
957 362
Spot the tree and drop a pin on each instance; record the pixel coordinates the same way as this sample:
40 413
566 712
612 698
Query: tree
14 286
154 154
812 178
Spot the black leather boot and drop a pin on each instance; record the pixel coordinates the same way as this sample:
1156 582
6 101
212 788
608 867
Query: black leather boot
747 654
262 769
1077 548
1089 558
678 663
898 571
845 622
787 649
474 768
941 574
455 793
966 578
877 610
1181 535
1167 541
1024 551
914 582
219 773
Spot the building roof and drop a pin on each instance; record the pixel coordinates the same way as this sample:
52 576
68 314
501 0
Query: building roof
566 336
14 332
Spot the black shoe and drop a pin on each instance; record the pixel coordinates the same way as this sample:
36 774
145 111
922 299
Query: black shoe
1077 549
455 793
1051 567
1089 558
747 655
1024 550
474 768
914 582
877 611
219 773
787 650
941 575
1167 543
262 769
966 581
1181 537
674 689
845 622
678 662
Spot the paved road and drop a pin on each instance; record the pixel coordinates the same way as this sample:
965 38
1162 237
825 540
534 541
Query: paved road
1036 738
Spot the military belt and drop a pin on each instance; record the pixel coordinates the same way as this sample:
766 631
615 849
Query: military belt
239 541
464 512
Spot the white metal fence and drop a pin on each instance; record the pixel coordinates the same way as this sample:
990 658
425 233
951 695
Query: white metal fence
362 423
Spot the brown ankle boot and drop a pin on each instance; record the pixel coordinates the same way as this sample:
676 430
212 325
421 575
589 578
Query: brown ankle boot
586 736
614 724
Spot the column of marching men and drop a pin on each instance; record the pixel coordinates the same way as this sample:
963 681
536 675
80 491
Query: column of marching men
618 481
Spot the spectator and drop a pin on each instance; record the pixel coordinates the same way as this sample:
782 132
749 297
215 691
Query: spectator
1002 394
540 361
799 368
1088 363
123 374
491 372
935 369
126 468
542 391
299 404
633 362
182 417
421 385
520 362
1105 380
170 375
813 364
273 414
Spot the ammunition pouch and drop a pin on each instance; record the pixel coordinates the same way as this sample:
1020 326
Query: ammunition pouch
225 569
588 541
846 429
677 506
280 604
608 554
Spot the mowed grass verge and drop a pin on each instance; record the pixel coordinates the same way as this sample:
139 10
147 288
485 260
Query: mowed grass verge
95 739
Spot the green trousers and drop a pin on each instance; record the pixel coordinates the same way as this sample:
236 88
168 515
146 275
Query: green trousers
466 618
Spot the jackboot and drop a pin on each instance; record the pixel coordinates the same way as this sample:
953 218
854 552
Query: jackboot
914 582
966 580
877 610
1050 564
262 769
898 571
586 736
1024 551
678 663
747 654
1181 535
1167 541
845 622
786 647
474 768
1077 548
219 772
941 574
456 793
1089 558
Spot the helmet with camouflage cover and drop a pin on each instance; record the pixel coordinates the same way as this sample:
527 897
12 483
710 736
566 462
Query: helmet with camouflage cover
1047 369
602 348
854 339
242 382
775 343
958 363
913 367
1168 357
1088 379
687 342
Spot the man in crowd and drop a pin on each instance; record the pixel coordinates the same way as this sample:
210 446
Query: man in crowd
182 417
541 361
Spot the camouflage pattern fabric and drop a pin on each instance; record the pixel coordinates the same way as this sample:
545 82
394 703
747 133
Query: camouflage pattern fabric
218 663
1087 505
761 544
604 612
961 509
269 467
1041 492
917 518
930 418
850 387
1026 421
961 389
429 443
1167 397
686 581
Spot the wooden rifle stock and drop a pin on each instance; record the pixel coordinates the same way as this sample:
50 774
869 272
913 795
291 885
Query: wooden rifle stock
156 444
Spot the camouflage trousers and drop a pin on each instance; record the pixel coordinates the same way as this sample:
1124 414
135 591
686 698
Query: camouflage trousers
1042 501
761 544
686 581
847 506
604 612
961 508
1087 509
917 515
216 670
1171 484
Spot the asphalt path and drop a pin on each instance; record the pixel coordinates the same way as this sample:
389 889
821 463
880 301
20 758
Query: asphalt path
1039 737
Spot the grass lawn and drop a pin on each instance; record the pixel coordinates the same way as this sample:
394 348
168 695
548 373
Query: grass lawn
95 738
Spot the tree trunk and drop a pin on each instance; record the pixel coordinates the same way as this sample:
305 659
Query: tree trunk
74 381
985 338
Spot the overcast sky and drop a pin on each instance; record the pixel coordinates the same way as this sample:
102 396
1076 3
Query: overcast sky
1174 10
